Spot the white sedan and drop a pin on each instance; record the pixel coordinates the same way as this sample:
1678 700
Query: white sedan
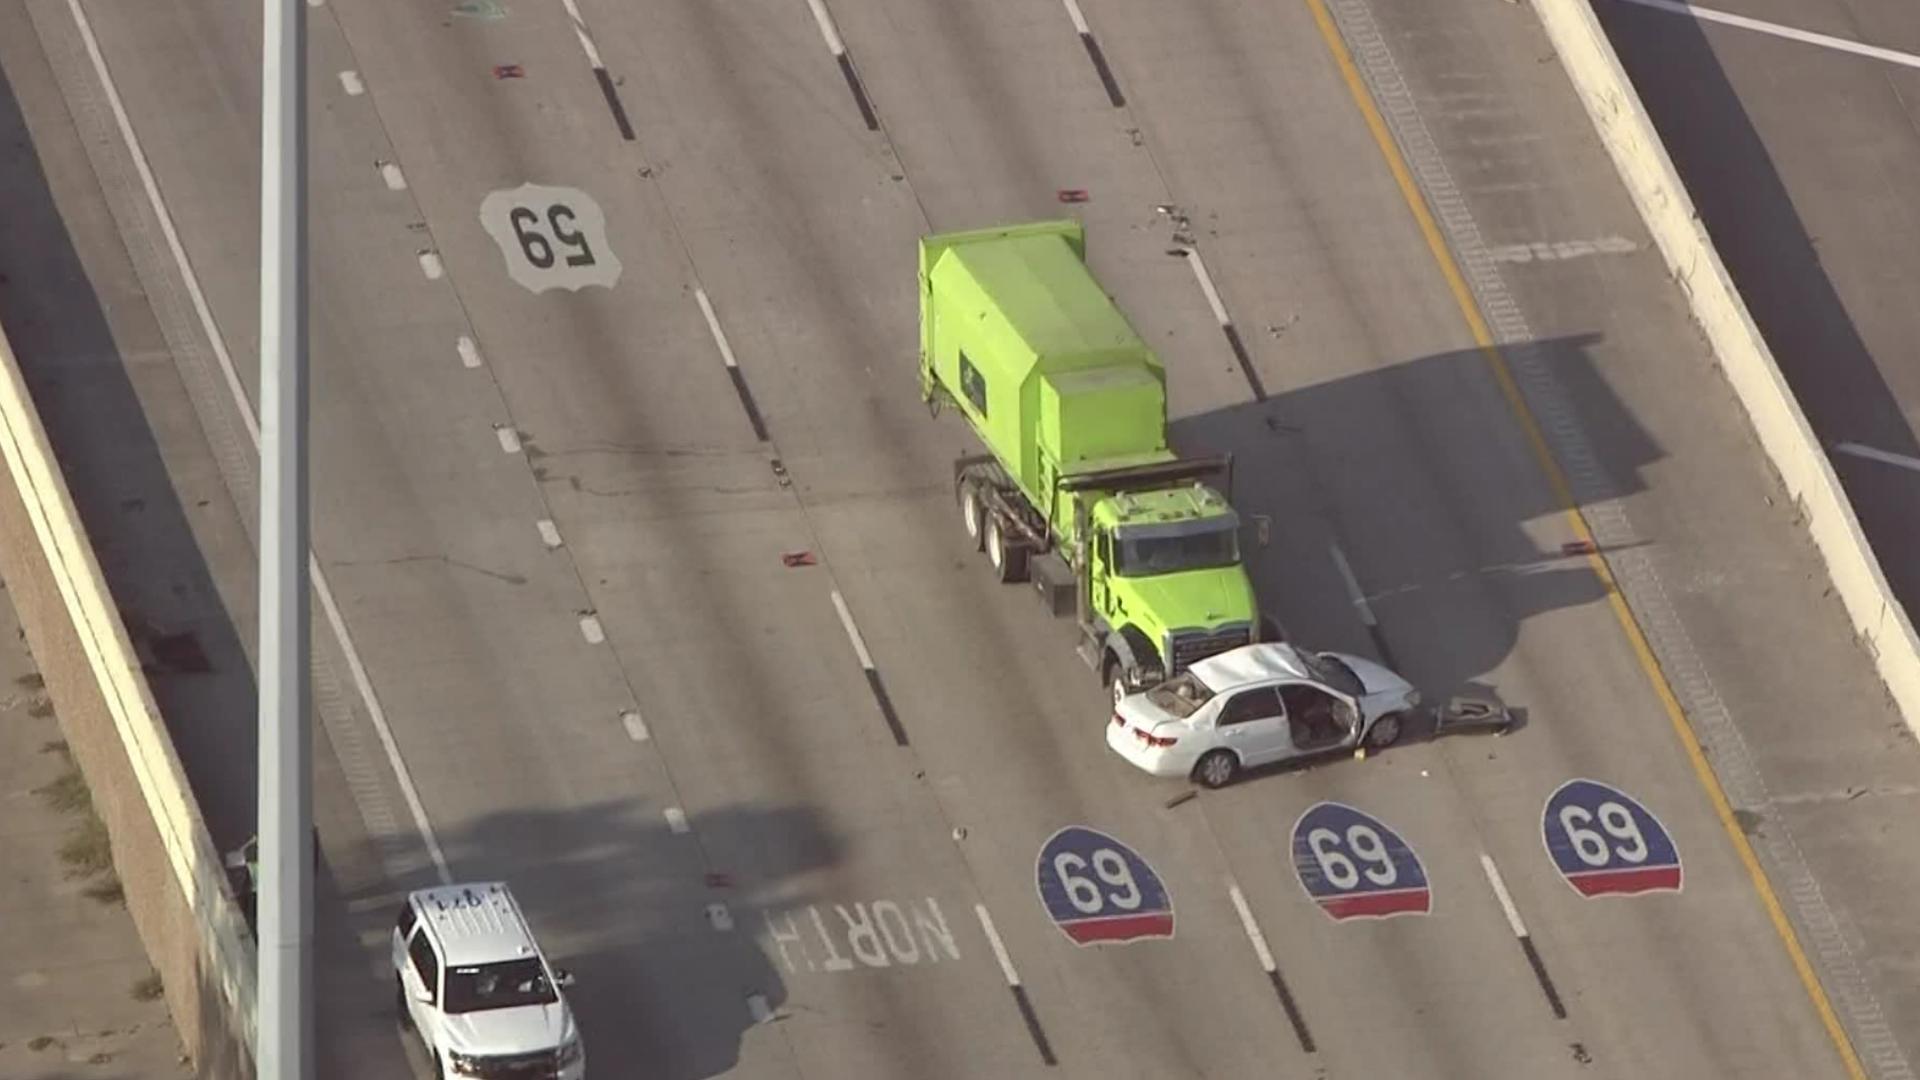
1257 705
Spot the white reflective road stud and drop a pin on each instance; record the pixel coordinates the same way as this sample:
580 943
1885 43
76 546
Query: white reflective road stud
551 237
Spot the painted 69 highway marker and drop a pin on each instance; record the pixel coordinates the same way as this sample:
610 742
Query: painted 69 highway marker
1605 843
551 237
1098 890
1354 866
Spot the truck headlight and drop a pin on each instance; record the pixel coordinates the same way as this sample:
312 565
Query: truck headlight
463 1064
571 1051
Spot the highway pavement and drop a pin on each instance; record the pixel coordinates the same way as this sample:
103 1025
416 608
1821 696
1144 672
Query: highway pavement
644 553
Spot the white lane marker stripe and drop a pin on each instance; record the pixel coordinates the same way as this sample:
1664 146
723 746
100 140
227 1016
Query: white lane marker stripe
1884 456
549 532
430 265
580 31
509 438
396 180
1252 928
402 777
1206 286
757 1008
591 629
827 30
1805 37
469 352
350 82
853 632
636 727
676 820
1500 893
1079 20
999 947
713 326
1353 585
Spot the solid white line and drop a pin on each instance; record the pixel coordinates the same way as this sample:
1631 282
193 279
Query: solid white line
430 265
591 629
853 632
1206 286
677 820
549 532
827 29
1871 454
1805 37
396 180
636 727
509 438
580 31
1079 20
350 82
469 352
1353 585
1500 892
713 325
375 714
999 947
1252 928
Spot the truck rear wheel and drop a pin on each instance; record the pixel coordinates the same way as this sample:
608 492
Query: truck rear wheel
1009 559
973 513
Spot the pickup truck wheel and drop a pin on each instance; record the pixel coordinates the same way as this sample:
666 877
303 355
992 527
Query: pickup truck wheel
1384 732
1009 560
1216 768
973 513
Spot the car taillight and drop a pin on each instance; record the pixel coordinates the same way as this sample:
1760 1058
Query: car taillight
1155 740
1119 721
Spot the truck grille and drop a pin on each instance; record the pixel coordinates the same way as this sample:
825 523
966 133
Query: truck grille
539 1065
1192 645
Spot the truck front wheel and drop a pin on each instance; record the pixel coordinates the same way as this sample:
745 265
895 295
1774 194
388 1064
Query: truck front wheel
1009 560
973 513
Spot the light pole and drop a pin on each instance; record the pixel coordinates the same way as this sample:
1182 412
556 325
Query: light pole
284 1011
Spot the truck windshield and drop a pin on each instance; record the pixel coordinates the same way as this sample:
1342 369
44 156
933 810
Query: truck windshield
498 986
1201 549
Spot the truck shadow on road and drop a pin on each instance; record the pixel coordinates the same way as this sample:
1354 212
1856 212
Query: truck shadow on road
1777 265
1418 478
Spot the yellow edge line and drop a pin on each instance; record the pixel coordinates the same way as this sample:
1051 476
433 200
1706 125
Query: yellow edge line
1463 298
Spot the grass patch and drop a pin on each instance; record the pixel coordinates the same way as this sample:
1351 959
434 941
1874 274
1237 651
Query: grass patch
68 792
87 851
148 989
55 746
41 709
109 891
40 1042
32 680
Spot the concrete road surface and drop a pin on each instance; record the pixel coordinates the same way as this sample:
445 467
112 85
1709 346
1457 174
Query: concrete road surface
785 820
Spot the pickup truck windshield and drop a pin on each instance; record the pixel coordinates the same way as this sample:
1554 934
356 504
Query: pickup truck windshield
1203 548
498 986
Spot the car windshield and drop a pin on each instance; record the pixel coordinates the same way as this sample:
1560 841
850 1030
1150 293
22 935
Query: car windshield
1201 549
1329 669
1180 695
498 986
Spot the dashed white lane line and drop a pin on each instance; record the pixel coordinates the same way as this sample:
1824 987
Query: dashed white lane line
1079 19
827 29
509 438
1500 893
1885 457
719 917
549 532
999 947
430 265
1252 928
1206 286
636 727
395 179
713 327
403 778
469 352
853 633
580 31
1805 37
676 820
1353 586
591 629
350 82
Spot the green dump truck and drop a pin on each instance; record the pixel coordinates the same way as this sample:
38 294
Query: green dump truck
1081 493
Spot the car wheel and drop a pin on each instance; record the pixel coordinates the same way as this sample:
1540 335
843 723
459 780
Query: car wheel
400 1005
1115 678
1384 732
1216 768
973 513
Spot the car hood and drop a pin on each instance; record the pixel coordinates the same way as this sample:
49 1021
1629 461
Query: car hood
1191 598
1384 686
522 1029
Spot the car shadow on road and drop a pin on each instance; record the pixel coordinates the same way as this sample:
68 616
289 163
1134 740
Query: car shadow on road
1777 266
1421 477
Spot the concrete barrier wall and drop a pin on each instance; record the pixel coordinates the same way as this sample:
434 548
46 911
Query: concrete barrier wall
1642 161
174 882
